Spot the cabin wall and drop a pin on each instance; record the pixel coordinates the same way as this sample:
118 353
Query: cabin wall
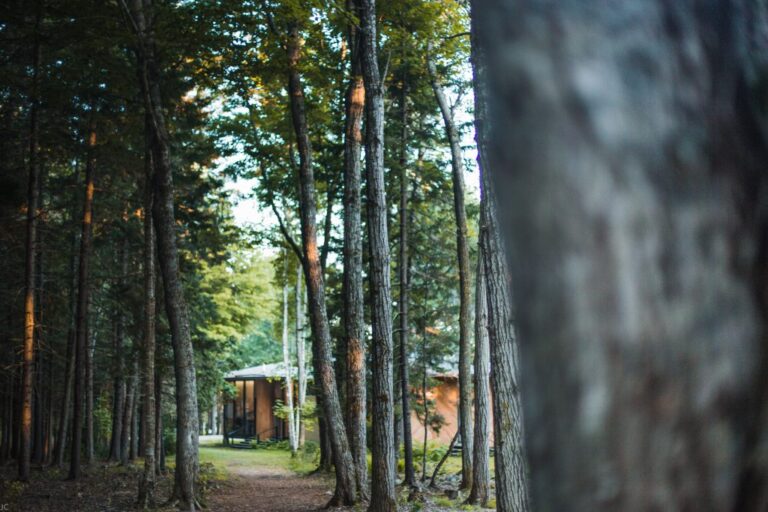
446 397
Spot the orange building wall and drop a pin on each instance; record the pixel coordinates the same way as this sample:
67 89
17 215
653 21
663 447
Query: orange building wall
446 396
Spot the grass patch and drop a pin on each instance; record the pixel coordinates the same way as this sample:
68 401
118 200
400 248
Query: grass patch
223 458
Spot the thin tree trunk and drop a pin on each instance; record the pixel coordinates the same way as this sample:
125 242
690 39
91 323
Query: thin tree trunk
300 356
119 386
28 353
159 442
292 433
481 476
69 371
353 261
383 466
187 426
424 397
125 441
148 478
636 215
462 249
442 460
404 276
38 444
128 450
346 486
135 433
81 314
89 411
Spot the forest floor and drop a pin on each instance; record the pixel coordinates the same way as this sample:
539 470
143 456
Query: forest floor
261 480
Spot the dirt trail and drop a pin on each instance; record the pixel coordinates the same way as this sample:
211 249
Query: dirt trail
268 489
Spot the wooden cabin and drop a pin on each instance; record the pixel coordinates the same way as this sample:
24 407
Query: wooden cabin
250 415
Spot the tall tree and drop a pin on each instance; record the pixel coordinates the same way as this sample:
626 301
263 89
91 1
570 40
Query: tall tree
28 353
383 469
353 258
509 456
346 484
148 480
83 289
404 278
141 17
641 395
462 250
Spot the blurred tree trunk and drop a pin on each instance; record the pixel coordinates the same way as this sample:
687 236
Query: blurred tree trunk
629 165
509 457
353 260
462 250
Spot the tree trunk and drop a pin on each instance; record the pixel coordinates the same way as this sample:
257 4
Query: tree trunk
481 476
353 262
404 277
119 386
636 217
159 442
136 411
69 368
130 397
187 426
148 479
346 487
292 432
81 314
89 412
300 356
462 249
383 466
28 352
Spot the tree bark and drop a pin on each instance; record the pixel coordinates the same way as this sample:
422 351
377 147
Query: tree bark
636 219
187 426
405 285
509 456
148 479
462 250
346 486
353 261
383 466
81 314
481 476
28 352
300 356
292 432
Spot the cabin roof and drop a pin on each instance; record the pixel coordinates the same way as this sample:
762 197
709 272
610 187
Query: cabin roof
263 371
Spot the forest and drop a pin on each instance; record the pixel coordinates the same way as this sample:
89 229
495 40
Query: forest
284 255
